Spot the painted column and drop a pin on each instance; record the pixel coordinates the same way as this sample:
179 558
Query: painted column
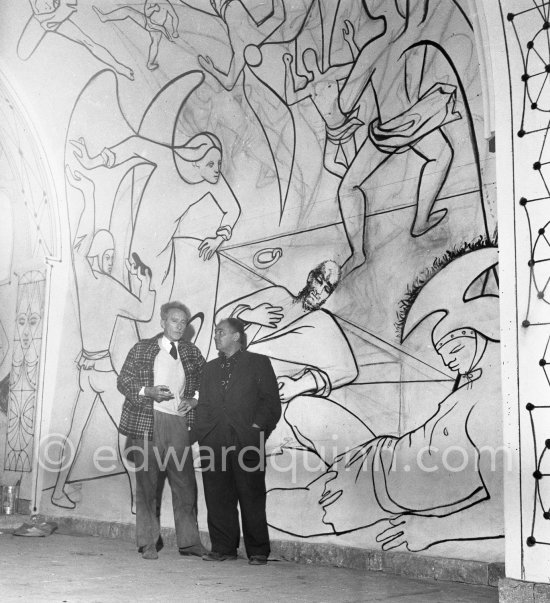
522 109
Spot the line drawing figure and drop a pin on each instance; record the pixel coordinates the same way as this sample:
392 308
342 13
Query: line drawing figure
391 479
55 16
408 113
309 352
322 88
179 177
25 369
243 31
157 18
245 38
93 258
239 137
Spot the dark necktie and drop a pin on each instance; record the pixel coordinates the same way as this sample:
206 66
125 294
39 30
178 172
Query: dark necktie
173 351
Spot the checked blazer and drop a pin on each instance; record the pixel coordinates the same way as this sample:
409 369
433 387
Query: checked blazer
138 371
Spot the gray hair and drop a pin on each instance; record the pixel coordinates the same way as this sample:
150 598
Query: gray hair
173 305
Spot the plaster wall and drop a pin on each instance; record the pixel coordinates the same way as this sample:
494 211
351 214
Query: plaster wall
522 127
358 134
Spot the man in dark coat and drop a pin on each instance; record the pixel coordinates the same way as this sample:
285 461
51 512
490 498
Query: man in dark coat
239 407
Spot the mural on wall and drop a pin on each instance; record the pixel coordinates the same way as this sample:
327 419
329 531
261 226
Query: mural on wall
409 114
391 479
94 253
29 230
528 56
188 175
25 371
157 19
30 225
295 163
57 17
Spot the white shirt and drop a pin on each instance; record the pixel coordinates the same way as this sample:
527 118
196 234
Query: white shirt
169 371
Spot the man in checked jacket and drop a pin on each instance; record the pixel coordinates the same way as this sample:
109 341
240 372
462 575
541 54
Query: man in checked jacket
159 381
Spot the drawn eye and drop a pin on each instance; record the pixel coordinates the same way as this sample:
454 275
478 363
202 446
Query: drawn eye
210 164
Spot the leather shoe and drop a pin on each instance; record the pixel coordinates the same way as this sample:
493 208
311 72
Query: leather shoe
257 560
159 546
196 550
150 552
215 556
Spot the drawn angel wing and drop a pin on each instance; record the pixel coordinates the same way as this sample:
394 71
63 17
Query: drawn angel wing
278 127
160 119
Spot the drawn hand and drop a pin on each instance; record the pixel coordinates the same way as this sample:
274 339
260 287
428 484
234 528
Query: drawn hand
331 490
206 63
131 267
81 153
159 393
77 180
265 314
138 269
151 8
348 31
209 247
416 532
349 491
288 59
289 388
187 404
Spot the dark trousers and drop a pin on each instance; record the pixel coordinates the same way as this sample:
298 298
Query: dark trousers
227 484
170 450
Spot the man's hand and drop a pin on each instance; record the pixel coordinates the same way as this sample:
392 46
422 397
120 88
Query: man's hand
187 404
265 315
159 393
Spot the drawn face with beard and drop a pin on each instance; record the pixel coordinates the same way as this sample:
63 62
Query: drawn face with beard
321 283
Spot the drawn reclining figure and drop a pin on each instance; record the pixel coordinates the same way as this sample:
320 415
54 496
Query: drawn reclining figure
416 483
